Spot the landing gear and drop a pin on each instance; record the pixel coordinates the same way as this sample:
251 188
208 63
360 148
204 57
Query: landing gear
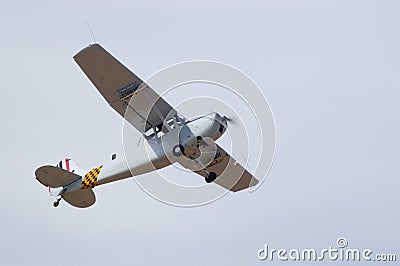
56 202
211 177
182 149
198 141
177 150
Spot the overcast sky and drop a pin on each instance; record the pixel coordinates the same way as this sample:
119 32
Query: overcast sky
329 69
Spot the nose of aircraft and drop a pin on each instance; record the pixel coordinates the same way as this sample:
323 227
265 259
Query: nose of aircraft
223 120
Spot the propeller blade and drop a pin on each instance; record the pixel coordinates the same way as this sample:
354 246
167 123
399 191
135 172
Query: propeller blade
228 119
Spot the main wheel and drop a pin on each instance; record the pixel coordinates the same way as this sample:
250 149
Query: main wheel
55 204
211 177
182 149
177 150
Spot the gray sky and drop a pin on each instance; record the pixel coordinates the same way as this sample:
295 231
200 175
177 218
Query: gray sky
328 68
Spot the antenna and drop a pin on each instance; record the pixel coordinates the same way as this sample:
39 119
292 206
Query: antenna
90 28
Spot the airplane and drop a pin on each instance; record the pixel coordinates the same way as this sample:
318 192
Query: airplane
168 137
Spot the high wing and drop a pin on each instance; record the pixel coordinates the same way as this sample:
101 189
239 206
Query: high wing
118 85
230 174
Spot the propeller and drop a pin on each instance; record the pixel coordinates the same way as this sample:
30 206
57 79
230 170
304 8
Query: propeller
229 120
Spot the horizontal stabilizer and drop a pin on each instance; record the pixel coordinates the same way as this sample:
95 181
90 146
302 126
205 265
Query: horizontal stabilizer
80 198
54 177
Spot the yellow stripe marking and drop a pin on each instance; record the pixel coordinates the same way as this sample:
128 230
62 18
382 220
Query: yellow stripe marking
90 179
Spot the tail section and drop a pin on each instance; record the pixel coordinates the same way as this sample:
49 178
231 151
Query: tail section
80 198
71 166
69 182
54 191
55 177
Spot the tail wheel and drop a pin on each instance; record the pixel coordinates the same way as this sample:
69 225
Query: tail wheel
56 203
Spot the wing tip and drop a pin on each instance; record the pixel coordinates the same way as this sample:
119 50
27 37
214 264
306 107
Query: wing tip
237 187
254 181
81 52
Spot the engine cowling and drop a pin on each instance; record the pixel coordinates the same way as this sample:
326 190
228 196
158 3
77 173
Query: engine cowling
200 132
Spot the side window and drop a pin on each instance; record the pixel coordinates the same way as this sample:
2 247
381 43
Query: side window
149 134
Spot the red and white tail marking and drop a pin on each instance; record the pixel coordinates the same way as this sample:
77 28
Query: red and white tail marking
67 164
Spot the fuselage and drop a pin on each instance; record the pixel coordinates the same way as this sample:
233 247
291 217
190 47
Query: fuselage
157 150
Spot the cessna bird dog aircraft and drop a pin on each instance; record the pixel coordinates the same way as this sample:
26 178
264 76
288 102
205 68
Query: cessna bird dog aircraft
168 137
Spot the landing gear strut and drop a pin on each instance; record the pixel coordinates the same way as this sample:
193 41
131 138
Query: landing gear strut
211 177
56 202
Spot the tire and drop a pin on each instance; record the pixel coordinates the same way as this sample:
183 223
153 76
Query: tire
182 149
177 150
211 177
